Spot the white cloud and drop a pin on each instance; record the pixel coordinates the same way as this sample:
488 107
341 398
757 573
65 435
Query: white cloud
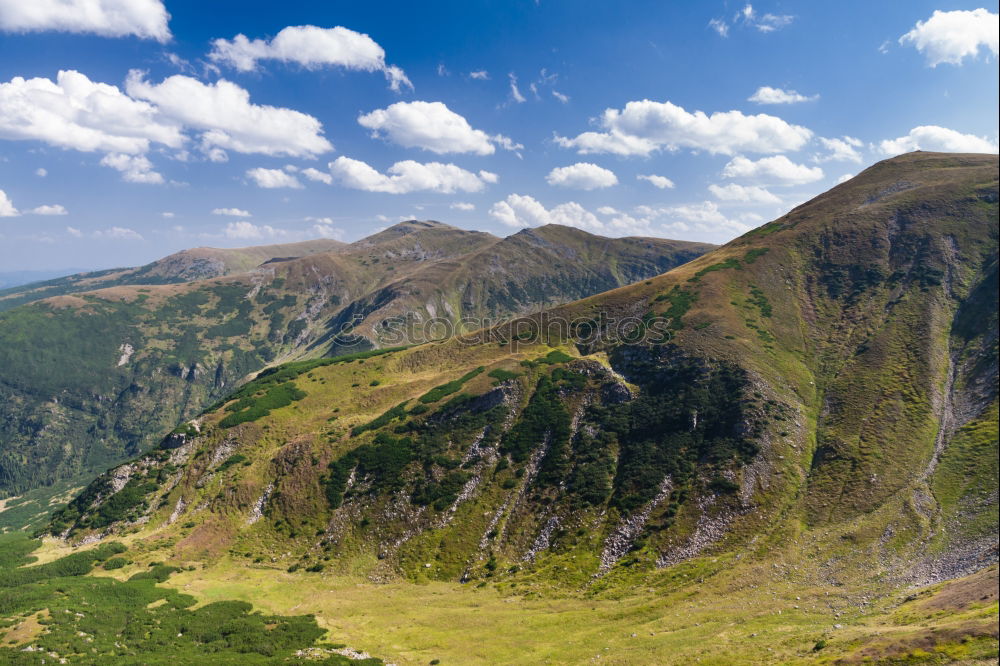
743 193
480 75
525 211
323 228
407 176
134 168
646 126
661 182
840 150
313 48
232 212
428 125
49 209
228 119
7 206
769 95
582 176
488 177
951 37
515 93
273 178
561 97
244 230
776 169
146 19
846 177
719 26
317 175
41 172
74 232
933 137
461 205
118 233
167 215
748 17
75 112
607 210
707 217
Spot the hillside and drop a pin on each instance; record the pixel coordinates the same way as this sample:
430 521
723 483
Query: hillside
810 409
195 264
93 378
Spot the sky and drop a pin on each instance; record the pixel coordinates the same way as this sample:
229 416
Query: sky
130 129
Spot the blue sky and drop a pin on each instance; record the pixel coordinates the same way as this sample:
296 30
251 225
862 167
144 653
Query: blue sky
176 124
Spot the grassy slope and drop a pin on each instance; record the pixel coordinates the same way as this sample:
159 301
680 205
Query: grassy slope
821 536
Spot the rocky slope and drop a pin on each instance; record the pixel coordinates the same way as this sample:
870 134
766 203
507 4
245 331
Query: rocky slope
92 378
826 382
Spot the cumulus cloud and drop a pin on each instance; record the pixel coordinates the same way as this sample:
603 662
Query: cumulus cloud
7 206
146 19
561 97
231 212
407 176
660 182
323 228
134 168
743 193
317 175
273 178
431 126
582 176
75 112
49 209
525 211
846 177
776 169
480 75
645 126
41 172
933 137
840 150
951 37
769 95
704 220
244 230
227 118
311 47
462 205
118 233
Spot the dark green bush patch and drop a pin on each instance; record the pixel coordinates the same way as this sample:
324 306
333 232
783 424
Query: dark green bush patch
453 386
100 620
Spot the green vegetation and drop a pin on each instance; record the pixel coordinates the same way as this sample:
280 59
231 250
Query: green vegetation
731 262
752 255
680 300
397 412
253 407
87 619
453 386
502 375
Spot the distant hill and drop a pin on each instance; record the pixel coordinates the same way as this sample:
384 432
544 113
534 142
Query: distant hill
94 377
195 264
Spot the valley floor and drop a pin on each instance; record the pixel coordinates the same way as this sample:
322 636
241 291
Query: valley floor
708 611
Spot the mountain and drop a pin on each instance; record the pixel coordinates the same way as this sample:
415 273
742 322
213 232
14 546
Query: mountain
95 377
763 455
194 264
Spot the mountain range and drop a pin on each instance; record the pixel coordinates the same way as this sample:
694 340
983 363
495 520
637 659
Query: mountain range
99 366
808 413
